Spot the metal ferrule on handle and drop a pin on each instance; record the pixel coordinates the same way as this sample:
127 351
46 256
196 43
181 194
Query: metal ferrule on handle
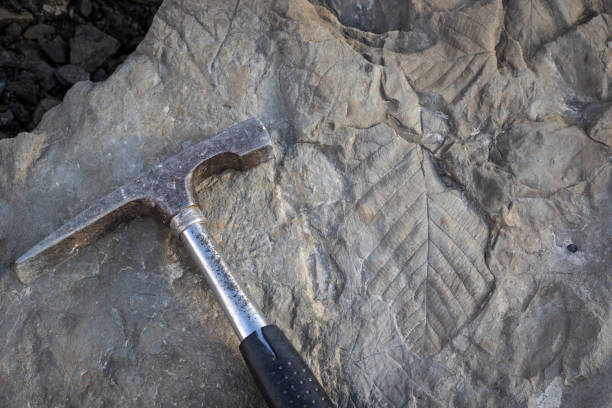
244 315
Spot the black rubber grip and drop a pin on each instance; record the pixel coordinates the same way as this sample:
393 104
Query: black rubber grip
283 378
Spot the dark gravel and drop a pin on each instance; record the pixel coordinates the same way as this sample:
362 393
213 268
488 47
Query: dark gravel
46 46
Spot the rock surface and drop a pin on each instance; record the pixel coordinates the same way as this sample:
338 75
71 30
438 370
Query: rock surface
412 236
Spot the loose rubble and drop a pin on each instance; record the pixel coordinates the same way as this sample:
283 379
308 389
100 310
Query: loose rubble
46 45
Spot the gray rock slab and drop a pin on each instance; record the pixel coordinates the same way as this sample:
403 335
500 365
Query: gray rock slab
410 236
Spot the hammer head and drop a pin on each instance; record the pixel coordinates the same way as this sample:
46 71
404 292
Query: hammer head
161 192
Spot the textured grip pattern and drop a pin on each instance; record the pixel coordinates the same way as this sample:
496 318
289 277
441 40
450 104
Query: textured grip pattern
284 380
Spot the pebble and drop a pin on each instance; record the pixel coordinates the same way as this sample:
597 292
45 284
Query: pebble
572 248
6 118
8 59
45 74
90 47
71 74
84 8
55 49
39 31
21 113
26 90
99 75
23 18
13 31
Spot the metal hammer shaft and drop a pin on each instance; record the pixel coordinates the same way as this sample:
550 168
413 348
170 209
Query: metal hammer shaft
280 373
242 313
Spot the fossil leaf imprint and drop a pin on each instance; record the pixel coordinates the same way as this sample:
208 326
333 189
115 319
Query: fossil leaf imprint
413 244
463 56
535 22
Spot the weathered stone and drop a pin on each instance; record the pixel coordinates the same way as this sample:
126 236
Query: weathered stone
9 59
90 47
99 75
26 90
55 8
84 7
23 18
6 118
55 49
45 74
20 112
38 31
12 31
411 235
71 74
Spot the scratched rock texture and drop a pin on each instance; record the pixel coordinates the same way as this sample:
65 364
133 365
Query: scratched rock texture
435 162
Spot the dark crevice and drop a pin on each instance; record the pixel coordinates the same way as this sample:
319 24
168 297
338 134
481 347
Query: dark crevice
378 16
48 46
410 35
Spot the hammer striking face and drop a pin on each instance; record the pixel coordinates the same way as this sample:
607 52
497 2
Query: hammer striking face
168 192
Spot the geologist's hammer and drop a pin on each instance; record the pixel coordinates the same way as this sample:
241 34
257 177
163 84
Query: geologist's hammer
167 192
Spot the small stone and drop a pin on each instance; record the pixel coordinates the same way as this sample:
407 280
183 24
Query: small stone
39 31
8 59
6 118
23 18
13 31
30 51
54 48
45 74
90 47
71 74
84 8
55 8
99 75
26 90
20 112
572 248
